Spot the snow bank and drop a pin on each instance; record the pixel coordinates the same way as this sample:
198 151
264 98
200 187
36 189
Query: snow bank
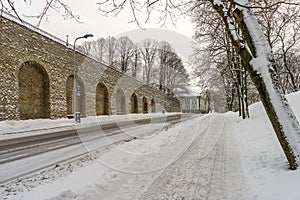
19 128
264 164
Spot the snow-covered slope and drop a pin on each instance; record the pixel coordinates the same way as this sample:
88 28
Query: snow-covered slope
264 164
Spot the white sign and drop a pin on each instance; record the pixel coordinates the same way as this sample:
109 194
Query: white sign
78 90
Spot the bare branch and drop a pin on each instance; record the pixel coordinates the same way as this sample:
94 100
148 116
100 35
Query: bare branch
164 8
12 6
267 7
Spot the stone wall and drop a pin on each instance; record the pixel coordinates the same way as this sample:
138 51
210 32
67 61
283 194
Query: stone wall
50 67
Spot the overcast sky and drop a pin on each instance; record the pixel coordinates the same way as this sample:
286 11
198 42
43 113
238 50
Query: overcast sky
92 21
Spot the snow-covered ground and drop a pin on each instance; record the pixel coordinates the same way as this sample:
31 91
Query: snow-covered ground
19 128
216 156
263 162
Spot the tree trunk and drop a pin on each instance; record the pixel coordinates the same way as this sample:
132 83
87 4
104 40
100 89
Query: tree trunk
246 95
258 60
278 110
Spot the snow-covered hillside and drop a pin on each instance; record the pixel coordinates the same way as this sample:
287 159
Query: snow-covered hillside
264 164
241 156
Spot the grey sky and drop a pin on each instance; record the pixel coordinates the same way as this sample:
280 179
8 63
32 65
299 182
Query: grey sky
93 22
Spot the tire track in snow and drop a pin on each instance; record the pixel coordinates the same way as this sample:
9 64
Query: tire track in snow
202 172
227 181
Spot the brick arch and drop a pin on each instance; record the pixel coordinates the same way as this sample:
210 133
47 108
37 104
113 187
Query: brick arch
102 100
80 99
134 103
145 105
34 91
120 102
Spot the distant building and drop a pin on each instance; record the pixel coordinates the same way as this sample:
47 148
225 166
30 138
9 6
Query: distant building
192 102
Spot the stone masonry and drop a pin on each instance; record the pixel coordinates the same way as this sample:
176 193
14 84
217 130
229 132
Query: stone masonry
37 74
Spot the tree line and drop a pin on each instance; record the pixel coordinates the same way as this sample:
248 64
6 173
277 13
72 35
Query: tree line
216 58
152 62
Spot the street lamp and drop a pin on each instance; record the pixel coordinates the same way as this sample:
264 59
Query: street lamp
77 114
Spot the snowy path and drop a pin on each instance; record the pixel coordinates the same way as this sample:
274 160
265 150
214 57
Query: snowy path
209 169
193 160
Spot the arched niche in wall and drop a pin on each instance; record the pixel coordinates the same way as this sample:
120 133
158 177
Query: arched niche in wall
120 102
145 105
102 100
34 91
134 103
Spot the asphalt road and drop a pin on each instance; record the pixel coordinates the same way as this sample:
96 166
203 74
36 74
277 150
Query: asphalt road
24 155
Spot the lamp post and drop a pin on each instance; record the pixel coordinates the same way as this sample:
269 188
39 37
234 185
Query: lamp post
77 115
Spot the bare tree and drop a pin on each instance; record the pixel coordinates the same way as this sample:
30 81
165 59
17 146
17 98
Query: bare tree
99 49
281 25
86 47
288 69
220 56
176 76
111 46
148 50
135 62
257 57
125 52
209 76
164 50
